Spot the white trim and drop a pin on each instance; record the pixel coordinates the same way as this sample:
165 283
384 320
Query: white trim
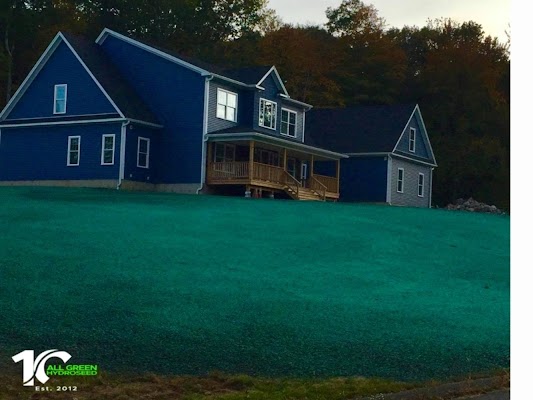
225 105
303 167
31 76
412 131
389 179
420 174
413 160
106 32
110 120
60 117
273 69
288 122
140 138
102 157
64 85
122 162
403 131
298 102
261 99
150 124
398 180
426 133
366 154
69 164
92 76
283 142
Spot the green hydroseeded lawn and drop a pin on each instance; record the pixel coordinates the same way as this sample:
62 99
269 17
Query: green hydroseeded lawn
178 284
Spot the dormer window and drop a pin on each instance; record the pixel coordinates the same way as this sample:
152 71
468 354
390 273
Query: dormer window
267 114
60 99
288 122
226 105
412 140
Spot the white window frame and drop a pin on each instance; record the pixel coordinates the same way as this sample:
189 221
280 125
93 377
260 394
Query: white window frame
55 98
288 122
104 150
226 106
275 113
402 181
69 150
147 140
412 131
421 185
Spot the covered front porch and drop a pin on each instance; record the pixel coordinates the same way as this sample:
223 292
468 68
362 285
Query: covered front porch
270 166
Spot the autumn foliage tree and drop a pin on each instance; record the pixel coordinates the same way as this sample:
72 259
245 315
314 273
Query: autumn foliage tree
458 75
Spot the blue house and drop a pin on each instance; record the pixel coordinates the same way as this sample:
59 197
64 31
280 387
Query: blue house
390 159
119 113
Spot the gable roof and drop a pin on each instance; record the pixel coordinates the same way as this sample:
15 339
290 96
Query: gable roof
108 75
102 72
251 77
363 129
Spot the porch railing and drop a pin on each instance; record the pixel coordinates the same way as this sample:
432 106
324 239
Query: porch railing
329 182
268 173
220 171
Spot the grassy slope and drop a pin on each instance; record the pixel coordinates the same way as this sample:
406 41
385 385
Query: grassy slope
187 284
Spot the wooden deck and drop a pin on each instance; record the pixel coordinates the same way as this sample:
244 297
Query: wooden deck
269 177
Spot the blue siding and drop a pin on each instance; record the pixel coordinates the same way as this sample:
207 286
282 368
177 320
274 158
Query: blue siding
40 153
131 171
83 95
421 147
176 96
362 179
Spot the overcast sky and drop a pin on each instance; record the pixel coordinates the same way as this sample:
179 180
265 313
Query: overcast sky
493 15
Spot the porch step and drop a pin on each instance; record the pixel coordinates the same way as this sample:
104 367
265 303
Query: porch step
303 194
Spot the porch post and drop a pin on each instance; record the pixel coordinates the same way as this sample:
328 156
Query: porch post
251 166
338 175
312 165
285 159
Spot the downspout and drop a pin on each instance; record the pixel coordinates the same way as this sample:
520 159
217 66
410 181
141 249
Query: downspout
122 153
204 134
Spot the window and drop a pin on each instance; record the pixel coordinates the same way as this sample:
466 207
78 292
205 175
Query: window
400 180
420 185
266 157
226 105
143 152
412 140
267 114
73 154
60 99
224 152
108 149
288 122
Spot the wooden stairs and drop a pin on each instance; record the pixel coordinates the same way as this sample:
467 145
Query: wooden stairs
303 194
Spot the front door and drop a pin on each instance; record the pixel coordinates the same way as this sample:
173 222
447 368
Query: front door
303 173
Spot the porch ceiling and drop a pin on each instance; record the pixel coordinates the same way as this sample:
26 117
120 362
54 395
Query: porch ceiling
275 141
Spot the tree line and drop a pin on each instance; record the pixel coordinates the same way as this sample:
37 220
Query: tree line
459 76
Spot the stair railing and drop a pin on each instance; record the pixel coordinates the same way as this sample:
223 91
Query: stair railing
293 183
318 187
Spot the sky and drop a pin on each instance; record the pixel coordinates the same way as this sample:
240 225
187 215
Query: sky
493 15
